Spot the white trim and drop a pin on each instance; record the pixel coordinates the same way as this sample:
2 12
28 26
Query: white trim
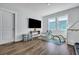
52 19
4 9
60 18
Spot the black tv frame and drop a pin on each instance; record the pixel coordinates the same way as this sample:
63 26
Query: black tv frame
32 22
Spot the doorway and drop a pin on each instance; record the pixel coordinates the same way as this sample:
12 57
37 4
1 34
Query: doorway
7 28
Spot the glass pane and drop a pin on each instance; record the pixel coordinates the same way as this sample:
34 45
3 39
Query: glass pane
52 24
63 25
62 22
62 18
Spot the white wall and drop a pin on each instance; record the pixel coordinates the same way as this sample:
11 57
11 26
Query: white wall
73 16
21 22
24 13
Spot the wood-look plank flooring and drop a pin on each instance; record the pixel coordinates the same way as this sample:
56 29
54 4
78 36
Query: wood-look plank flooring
35 47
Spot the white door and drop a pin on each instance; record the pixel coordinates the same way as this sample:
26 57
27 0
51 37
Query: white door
7 27
0 26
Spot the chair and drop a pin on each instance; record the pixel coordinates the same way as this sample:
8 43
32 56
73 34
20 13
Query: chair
25 37
30 36
57 39
47 36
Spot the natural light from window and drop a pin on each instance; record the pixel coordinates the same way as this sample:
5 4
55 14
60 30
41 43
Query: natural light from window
52 24
62 23
58 23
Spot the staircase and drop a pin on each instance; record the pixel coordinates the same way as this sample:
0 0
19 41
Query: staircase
73 33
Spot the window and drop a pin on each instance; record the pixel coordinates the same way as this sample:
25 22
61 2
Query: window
52 24
59 23
62 23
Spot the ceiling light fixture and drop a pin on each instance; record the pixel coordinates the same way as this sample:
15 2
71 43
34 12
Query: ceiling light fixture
49 4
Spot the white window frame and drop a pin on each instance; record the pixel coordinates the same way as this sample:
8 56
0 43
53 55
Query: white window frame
56 20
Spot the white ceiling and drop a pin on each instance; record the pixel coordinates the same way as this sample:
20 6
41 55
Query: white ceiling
41 8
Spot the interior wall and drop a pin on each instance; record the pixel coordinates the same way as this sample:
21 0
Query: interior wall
21 22
73 16
22 15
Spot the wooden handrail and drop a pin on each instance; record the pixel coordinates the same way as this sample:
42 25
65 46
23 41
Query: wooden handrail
74 29
74 24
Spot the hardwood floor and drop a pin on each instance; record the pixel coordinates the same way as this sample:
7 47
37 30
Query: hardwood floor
34 47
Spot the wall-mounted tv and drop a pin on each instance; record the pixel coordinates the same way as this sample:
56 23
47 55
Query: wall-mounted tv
33 23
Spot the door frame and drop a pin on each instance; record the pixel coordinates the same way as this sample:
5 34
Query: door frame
14 21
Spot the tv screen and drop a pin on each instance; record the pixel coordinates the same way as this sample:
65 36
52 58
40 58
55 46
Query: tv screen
33 23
